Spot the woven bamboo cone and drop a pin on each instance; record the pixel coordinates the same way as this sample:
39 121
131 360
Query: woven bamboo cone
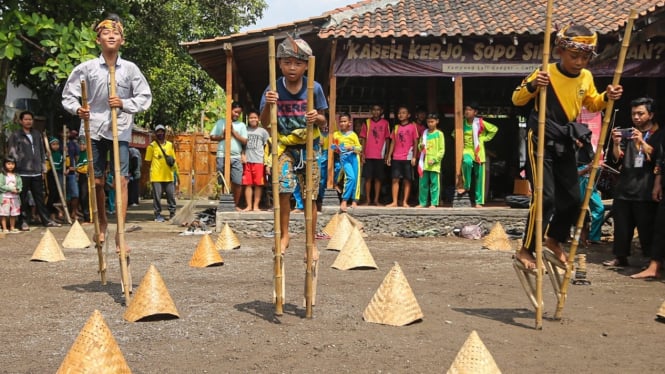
355 254
76 237
497 239
331 226
354 221
393 303
206 254
342 233
151 299
474 357
227 240
661 312
94 350
48 249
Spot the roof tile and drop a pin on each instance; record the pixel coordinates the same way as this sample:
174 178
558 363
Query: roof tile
409 18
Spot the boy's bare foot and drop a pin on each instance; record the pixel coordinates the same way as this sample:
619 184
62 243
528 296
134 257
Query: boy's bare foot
478 206
315 255
405 205
354 204
460 191
557 248
296 211
391 205
377 203
433 207
420 206
526 258
248 209
342 206
652 271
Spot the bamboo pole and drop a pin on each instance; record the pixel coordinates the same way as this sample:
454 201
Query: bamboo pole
595 166
332 117
92 190
120 209
309 189
277 252
55 177
542 105
65 169
229 120
459 130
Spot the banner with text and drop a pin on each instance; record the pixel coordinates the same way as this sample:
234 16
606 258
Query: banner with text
479 57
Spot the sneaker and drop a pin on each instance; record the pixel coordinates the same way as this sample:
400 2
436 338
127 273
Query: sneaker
53 224
25 227
159 219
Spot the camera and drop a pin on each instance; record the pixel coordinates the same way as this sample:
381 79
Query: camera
625 133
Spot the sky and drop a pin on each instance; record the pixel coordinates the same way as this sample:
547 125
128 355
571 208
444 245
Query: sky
286 11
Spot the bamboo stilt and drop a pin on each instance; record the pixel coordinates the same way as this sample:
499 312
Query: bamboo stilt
595 166
120 208
92 189
309 229
277 251
539 170
61 195
64 169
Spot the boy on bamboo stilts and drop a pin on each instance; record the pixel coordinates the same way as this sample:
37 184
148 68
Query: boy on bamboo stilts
133 96
292 119
570 86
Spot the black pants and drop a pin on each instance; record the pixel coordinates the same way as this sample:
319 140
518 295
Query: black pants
35 185
133 191
627 216
658 242
84 199
561 192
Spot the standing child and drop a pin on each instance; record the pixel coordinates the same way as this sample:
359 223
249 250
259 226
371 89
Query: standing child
347 145
56 170
10 187
253 176
375 139
432 147
569 86
292 120
401 156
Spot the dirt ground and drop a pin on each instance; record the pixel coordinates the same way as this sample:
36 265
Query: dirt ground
227 324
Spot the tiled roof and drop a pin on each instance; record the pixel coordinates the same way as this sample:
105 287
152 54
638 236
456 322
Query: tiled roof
409 18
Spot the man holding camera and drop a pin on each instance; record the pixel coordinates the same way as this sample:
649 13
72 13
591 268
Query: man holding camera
163 172
633 151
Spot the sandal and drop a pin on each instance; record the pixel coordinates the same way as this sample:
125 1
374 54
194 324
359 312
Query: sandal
616 262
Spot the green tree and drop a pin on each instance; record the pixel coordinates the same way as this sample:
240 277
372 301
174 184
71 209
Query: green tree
154 29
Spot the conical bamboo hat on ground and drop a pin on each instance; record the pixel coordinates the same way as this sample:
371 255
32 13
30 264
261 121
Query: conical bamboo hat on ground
497 239
48 249
661 312
355 254
394 302
474 357
344 228
151 299
331 227
76 237
227 240
94 350
206 254
354 221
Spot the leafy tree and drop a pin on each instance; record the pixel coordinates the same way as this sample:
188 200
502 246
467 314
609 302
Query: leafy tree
42 40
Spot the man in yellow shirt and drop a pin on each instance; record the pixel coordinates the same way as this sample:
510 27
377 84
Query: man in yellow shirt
163 169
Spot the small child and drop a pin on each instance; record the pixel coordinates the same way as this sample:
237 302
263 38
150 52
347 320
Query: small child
56 170
10 187
432 147
347 145
253 176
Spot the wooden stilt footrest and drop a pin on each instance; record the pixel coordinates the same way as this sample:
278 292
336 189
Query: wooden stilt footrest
555 269
527 278
315 275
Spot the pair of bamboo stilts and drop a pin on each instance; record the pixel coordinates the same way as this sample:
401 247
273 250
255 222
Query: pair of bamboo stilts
563 287
309 229
120 234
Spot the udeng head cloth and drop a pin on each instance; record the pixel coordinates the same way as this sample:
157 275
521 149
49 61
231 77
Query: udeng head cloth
586 44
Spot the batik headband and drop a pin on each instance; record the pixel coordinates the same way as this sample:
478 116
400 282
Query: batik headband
578 43
108 24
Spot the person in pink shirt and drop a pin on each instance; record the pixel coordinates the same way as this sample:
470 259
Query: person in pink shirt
375 140
402 155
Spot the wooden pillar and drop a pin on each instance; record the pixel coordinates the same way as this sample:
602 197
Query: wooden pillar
332 111
228 49
459 129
